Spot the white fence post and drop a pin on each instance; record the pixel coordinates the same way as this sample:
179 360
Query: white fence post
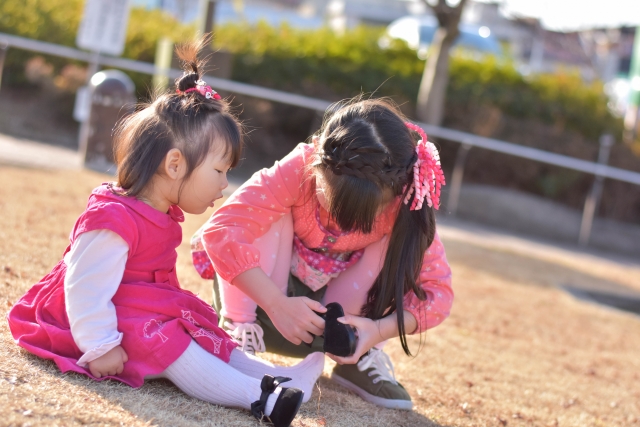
456 178
593 199
4 47
84 130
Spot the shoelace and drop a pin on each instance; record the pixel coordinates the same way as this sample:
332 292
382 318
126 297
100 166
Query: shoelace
380 361
249 335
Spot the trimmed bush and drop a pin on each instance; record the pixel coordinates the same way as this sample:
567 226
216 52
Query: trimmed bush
320 62
324 64
488 97
57 21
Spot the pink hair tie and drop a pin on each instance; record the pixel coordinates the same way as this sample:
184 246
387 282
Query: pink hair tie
203 89
428 177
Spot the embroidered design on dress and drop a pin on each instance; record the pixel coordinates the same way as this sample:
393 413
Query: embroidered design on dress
154 327
202 332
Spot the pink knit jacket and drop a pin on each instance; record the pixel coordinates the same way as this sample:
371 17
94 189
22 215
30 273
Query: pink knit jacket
288 186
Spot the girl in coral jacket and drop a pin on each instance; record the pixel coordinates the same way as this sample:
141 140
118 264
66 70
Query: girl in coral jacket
113 307
348 218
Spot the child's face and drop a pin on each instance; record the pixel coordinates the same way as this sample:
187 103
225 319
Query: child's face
205 184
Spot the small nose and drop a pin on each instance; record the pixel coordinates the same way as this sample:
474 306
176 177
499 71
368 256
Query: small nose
225 182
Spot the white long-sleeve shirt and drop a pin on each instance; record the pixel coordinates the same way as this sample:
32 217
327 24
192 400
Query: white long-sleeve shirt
95 266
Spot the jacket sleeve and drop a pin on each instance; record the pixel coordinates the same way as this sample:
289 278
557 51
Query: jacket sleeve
229 234
435 279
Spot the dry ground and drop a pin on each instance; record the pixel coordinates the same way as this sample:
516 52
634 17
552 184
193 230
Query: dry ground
516 351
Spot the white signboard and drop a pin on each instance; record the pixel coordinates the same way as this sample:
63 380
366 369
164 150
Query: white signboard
81 107
104 26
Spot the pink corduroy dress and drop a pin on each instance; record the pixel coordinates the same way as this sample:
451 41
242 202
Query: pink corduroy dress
158 319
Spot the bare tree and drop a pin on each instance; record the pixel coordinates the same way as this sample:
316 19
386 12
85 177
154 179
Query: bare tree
433 87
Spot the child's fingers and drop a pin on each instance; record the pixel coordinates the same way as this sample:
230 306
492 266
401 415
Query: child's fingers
348 319
307 337
299 336
297 340
343 360
95 372
316 330
317 325
334 358
294 340
125 356
314 305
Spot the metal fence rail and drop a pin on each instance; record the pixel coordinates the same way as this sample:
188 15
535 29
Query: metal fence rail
534 154
599 170
148 68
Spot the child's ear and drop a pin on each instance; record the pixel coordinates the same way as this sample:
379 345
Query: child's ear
316 141
174 164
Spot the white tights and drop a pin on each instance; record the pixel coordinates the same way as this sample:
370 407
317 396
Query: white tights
237 384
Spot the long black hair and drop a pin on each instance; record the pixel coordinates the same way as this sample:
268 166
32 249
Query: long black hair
366 153
188 121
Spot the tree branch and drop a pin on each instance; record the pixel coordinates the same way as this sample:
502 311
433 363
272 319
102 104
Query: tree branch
447 15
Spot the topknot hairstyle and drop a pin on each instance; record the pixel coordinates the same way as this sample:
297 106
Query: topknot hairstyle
189 121
365 154
192 66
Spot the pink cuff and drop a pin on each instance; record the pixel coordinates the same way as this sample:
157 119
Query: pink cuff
229 276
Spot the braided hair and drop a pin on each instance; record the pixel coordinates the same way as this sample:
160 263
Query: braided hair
366 154
186 119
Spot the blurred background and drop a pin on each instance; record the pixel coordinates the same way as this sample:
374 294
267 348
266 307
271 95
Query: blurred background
529 101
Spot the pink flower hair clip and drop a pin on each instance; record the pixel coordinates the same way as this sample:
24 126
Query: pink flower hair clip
428 177
204 90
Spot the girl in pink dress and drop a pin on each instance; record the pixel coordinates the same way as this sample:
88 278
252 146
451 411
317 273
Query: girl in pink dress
112 308
348 218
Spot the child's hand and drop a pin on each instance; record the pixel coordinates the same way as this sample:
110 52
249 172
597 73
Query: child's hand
110 363
368 336
296 319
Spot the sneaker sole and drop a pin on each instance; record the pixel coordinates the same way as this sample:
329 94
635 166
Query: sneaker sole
405 405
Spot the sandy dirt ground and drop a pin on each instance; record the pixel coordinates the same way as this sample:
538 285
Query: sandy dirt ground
516 350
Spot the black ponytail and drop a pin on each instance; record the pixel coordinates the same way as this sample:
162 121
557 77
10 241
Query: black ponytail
367 151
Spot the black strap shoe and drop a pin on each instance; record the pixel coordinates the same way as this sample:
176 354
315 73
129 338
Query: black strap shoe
286 406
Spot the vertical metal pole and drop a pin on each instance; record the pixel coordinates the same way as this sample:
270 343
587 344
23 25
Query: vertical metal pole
4 47
210 17
456 179
593 199
83 133
164 54
207 17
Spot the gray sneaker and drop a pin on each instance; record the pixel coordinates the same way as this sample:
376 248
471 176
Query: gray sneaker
373 379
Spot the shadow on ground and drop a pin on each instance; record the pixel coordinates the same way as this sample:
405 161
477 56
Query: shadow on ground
160 403
536 272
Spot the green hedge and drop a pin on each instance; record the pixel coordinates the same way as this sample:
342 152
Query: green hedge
555 112
57 21
324 64
562 100
320 61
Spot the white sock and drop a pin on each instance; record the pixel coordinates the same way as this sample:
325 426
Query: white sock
202 375
303 375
